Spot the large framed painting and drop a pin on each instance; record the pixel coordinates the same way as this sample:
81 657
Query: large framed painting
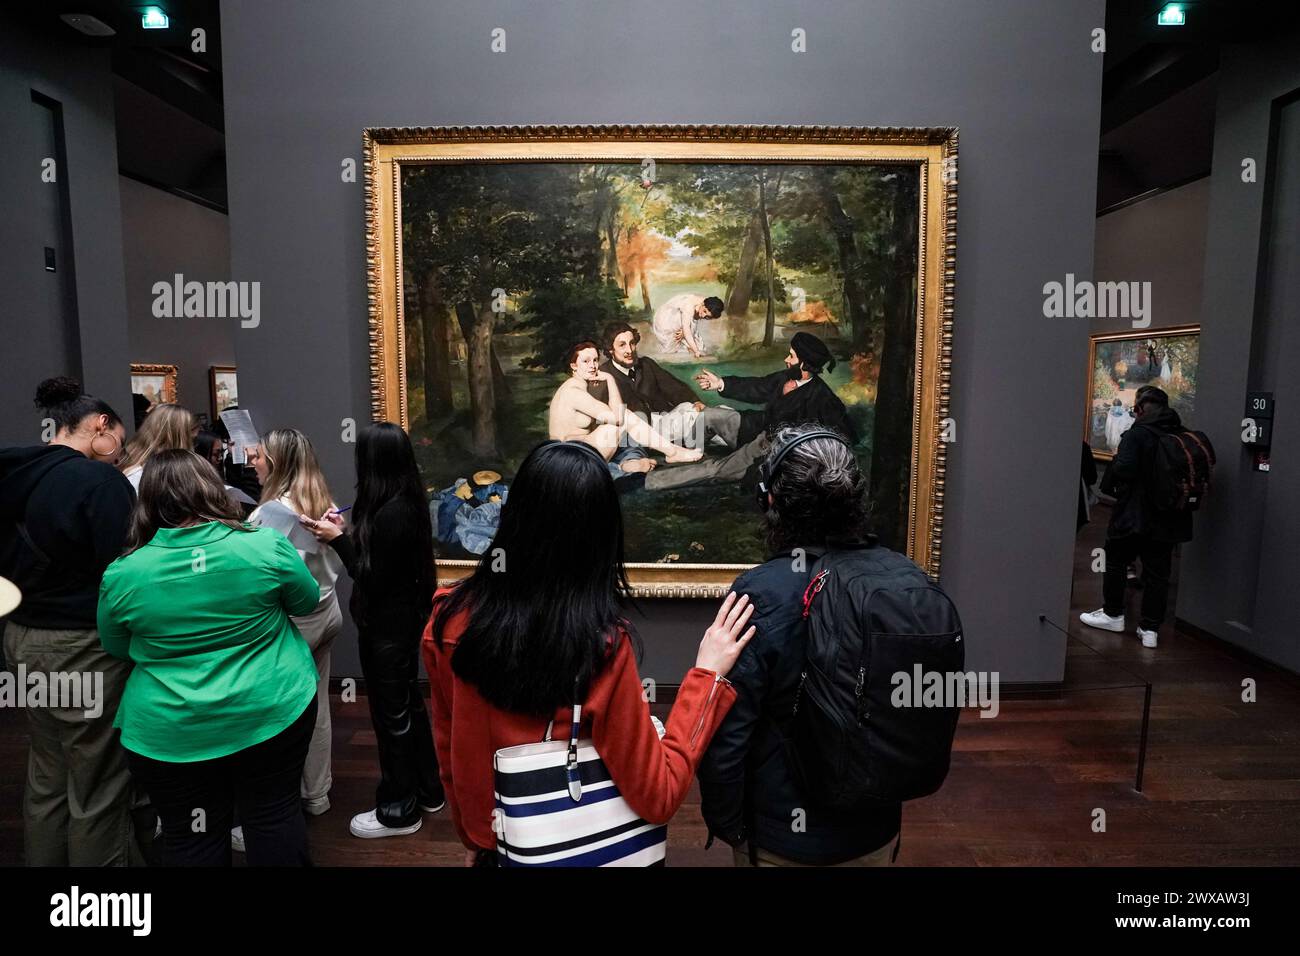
1119 363
662 261
157 383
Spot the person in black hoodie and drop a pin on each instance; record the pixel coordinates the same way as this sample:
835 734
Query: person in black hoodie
750 796
64 512
1139 528
389 555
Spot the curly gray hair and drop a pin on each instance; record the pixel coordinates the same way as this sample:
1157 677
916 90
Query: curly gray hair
819 495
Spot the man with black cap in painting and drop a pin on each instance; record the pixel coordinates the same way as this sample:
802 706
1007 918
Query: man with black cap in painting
792 396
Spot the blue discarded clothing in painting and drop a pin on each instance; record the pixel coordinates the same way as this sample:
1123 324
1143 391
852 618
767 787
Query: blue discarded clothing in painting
476 527
443 510
628 452
484 492
463 523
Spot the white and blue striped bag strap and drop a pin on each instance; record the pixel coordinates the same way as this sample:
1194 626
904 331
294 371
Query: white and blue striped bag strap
571 760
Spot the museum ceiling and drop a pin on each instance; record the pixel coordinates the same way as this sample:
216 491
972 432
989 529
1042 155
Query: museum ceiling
1156 124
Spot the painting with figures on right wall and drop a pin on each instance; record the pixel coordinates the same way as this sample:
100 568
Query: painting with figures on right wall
1120 363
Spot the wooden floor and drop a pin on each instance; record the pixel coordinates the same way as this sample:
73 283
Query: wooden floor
1222 783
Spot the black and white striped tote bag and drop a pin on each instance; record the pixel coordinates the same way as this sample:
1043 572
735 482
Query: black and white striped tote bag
557 806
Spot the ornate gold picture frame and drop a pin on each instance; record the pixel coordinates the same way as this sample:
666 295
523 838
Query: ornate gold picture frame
613 158
155 382
223 389
1119 363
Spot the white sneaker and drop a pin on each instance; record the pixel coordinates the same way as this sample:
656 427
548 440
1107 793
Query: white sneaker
237 839
1100 619
367 826
1148 637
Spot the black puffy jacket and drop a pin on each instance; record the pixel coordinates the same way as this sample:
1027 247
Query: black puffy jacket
1130 478
745 766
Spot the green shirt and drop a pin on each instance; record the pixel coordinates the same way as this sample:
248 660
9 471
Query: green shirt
204 614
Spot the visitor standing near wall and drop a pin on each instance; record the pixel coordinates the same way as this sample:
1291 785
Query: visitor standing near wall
291 476
1141 526
167 426
518 645
814 499
389 555
219 708
64 511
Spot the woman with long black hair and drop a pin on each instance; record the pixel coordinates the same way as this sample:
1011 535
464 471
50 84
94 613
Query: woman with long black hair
389 555
539 628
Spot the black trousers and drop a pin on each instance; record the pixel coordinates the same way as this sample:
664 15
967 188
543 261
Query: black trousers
197 801
1157 561
408 766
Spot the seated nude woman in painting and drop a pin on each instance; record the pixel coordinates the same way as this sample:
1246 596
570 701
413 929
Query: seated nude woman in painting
619 436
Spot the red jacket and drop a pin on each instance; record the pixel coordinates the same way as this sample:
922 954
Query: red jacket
653 775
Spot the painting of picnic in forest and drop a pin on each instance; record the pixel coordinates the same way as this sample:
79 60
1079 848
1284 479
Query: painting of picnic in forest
672 315
1122 362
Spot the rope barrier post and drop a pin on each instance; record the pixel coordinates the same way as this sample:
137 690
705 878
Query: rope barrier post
1146 700
1142 743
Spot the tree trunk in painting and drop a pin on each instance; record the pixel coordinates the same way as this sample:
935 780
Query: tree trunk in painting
645 293
891 451
414 340
851 268
437 361
611 250
476 325
769 327
738 301
500 384
465 318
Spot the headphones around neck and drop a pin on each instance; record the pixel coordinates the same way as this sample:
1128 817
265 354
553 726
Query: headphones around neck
768 469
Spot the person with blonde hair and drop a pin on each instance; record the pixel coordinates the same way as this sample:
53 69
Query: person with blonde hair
167 426
292 484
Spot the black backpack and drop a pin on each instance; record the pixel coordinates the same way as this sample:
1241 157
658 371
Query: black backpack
1183 463
873 614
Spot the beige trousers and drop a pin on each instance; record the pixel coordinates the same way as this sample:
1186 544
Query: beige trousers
319 629
77 801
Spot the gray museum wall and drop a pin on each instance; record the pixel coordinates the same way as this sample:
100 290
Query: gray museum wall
302 79
1238 576
36 345
163 235
1160 240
